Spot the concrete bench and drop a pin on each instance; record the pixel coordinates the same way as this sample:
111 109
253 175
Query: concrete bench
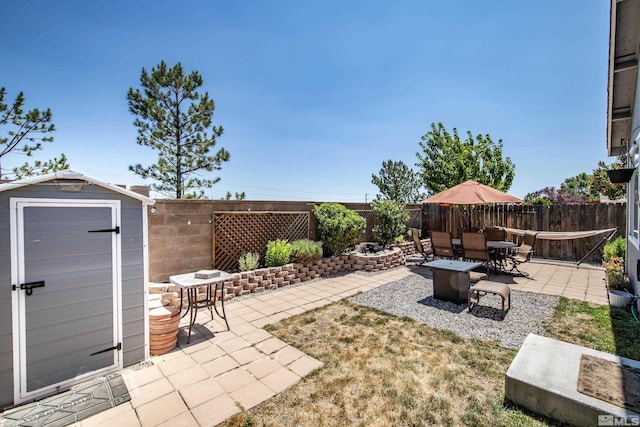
481 289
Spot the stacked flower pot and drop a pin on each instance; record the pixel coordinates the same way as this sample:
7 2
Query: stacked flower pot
163 325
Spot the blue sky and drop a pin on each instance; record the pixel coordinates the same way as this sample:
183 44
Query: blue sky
315 95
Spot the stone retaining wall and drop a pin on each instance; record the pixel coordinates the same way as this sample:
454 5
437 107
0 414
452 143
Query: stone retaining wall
247 282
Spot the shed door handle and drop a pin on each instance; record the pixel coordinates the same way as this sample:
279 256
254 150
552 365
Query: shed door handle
28 287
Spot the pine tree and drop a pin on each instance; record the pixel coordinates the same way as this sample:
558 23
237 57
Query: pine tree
27 131
396 181
173 118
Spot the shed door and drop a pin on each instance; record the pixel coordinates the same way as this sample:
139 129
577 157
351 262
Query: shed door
67 322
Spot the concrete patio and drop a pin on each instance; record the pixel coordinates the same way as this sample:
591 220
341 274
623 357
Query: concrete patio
551 277
207 381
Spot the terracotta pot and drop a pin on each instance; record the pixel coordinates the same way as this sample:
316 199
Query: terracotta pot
155 351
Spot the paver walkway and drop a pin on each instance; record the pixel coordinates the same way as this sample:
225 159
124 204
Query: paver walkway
210 379
207 381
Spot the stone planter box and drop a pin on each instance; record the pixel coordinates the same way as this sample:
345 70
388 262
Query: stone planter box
271 278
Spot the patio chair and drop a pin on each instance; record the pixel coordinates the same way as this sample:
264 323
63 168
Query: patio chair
525 251
496 234
463 229
417 243
442 246
474 248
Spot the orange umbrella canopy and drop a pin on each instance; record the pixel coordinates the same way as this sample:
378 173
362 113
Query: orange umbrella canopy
471 193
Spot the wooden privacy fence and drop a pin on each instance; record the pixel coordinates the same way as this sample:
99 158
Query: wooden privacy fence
540 218
415 218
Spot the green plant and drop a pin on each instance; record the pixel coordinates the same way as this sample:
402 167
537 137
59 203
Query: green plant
614 273
338 227
306 251
391 220
248 261
278 253
541 201
615 249
602 327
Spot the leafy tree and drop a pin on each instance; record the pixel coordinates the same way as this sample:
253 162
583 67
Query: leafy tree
175 119
577 185
391 220
27 131
599 182
396 181
539 201
237 196
554 196
446 160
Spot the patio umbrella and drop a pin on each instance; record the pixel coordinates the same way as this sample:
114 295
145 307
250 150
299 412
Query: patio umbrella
471 193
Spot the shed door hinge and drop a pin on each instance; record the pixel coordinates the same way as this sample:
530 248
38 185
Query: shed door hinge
115 347
107 230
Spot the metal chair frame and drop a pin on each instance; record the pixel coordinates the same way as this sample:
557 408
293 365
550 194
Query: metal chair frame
525 252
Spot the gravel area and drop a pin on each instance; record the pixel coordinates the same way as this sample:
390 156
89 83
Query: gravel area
413 297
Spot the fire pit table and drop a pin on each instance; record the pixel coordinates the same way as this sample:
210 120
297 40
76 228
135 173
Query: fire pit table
451 279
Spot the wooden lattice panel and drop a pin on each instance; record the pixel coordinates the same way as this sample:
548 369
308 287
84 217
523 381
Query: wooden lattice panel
238 232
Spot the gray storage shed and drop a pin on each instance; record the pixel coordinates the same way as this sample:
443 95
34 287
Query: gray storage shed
73 283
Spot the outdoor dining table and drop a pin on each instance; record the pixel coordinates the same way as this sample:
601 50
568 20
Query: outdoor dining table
501 246
491 244
214 281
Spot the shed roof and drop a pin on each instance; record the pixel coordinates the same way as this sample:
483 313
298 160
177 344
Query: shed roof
71 174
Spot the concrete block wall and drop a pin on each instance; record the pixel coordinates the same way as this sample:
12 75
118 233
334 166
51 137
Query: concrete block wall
179 237
180 231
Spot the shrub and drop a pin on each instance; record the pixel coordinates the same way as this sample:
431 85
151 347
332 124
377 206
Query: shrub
249 261
338 227
391 220
615 249
614 273
306 251
278 253
541 201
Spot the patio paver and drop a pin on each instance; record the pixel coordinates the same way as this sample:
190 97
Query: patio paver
215 411
198 393
280 380
162 409
252 394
